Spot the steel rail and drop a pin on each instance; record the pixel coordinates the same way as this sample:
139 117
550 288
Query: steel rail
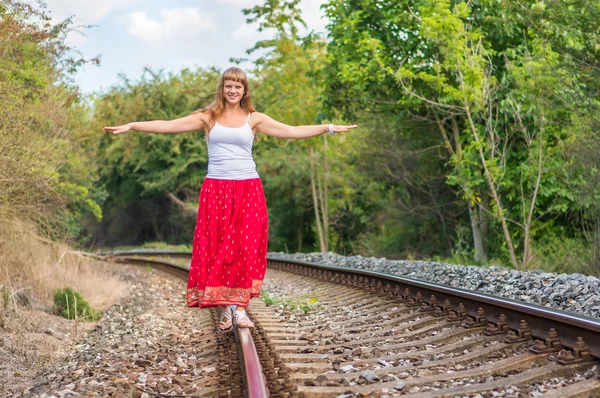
253 374
540 319
256 383
569 326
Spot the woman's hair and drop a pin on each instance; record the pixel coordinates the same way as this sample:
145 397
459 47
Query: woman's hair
216 108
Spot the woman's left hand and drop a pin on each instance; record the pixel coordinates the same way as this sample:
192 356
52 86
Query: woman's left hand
118 129
343 129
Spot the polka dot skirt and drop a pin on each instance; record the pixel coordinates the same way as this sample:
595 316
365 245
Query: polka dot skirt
229 254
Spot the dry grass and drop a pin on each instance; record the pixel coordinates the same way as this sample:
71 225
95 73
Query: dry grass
31 337
32 268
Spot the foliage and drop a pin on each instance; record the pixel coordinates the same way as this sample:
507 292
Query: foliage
304 303
564 254
286 92
470 114
140 172
486 76
44 174
187 247
71 305
289 88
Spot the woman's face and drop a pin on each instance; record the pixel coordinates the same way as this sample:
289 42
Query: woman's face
233 91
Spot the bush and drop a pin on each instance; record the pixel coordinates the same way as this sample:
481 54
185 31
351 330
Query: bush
71 305
562 254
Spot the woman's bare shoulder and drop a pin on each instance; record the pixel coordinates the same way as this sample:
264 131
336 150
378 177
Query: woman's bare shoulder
256 115
203 117
255 118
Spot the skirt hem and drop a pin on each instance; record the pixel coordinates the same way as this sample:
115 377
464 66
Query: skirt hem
219 303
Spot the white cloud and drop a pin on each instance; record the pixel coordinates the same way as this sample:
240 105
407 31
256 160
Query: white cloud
249 32
76 39
86 11
313 15
175 25
241 3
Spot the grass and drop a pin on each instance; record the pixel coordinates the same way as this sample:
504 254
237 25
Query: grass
71 305
35 267
5 297
304 303
153 245
31 269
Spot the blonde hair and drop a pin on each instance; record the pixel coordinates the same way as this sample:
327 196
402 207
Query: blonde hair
216 108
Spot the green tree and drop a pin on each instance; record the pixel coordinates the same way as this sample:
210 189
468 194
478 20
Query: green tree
312 176
150 177
482 77
44 174
287 90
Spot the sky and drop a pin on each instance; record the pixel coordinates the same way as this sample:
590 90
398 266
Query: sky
171 35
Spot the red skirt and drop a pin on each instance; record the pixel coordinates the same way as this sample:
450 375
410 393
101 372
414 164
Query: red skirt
229 254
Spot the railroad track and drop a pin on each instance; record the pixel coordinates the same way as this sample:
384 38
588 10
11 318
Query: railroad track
326 332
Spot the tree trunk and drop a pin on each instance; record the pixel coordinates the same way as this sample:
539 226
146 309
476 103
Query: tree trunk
484 220
477 221
527 241
478 236
495 196
316 203
155 226
300 236
187 209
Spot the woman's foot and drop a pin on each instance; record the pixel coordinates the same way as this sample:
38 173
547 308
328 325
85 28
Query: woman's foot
240 317
225 319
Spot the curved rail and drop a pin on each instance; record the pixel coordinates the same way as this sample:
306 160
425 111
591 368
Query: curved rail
570 327
254 378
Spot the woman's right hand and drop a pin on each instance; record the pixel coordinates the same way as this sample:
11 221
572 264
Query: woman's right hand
118 129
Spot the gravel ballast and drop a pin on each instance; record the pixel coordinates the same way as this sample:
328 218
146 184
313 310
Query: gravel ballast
569 292
148 345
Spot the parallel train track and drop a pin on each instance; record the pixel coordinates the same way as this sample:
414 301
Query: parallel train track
370 334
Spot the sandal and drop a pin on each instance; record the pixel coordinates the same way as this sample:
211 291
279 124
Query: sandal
241 319
226 321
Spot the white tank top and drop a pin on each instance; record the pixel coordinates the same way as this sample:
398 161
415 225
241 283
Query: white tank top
230 152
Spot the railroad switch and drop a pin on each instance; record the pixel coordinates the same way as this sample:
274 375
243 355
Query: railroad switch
501 327
522 334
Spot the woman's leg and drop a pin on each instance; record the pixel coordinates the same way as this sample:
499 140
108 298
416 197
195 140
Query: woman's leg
225 318
241 317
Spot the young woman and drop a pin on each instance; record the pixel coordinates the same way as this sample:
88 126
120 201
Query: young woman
229 254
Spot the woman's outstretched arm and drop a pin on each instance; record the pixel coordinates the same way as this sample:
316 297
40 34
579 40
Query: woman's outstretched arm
269 126
191 122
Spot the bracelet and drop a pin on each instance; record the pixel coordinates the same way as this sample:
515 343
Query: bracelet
330 129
